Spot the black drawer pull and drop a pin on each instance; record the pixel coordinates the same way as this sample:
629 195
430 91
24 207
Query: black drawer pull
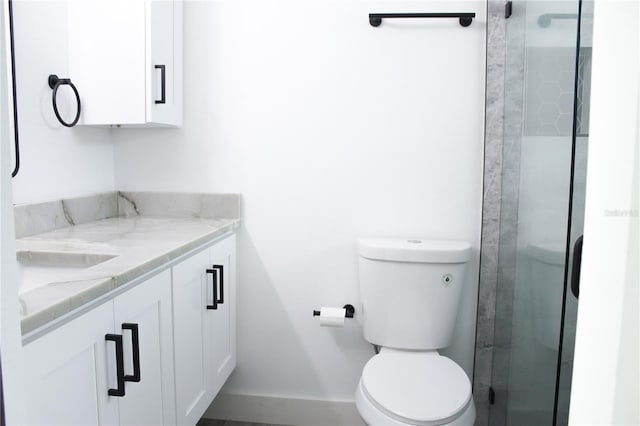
135 342
117 338
220 274
214 306
163 82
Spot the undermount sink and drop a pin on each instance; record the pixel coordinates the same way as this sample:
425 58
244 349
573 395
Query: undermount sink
39 268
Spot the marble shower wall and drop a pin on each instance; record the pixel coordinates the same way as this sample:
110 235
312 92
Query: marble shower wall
504 93
508 234
492 191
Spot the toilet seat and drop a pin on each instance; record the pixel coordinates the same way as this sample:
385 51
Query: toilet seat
419 388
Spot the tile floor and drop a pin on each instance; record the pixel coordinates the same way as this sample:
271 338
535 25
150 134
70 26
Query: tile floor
214 422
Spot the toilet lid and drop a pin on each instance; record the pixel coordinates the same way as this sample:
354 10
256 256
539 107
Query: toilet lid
417 387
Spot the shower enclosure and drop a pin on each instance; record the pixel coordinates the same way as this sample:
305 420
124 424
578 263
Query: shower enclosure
546 97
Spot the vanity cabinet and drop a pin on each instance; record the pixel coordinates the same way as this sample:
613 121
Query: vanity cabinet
125 58
204 304
174 336
70 370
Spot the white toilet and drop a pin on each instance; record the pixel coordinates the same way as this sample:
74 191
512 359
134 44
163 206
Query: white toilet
410 293
545 273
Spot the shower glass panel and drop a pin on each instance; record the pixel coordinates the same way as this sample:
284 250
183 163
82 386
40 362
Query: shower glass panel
578 191
546 102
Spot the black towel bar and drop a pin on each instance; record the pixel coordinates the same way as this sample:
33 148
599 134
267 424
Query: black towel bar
544 20
465 19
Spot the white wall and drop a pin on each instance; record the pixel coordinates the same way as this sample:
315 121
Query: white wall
55 161
606 370
331 129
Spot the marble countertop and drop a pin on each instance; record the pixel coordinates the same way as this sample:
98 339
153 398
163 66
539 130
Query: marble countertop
132 247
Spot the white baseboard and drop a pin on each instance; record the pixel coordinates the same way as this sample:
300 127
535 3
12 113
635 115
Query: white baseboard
283 411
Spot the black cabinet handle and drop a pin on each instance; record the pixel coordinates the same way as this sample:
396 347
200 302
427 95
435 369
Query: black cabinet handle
135 342
163 82
215 288
117 338
220 274
575 267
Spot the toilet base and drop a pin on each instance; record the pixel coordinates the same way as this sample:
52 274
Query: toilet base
374 417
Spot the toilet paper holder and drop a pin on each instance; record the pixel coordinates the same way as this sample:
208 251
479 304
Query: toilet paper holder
348 307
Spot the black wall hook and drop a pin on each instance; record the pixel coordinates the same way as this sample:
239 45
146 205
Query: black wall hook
55 82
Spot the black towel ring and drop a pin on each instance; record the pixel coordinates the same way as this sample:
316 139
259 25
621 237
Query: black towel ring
55 83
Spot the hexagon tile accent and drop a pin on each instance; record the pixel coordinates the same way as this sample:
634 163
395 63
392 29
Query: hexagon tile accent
549 91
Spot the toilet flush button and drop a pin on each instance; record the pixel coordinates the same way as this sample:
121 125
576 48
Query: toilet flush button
447 280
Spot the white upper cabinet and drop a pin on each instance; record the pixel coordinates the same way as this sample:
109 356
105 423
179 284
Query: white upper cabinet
125 58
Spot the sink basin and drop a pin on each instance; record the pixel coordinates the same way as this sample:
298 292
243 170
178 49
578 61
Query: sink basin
39 268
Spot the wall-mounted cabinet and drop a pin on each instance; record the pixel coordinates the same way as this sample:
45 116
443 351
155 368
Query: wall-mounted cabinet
125 58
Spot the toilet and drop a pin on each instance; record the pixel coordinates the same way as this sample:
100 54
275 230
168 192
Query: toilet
410 293
545 274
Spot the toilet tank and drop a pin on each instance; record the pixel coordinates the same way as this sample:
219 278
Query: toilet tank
411 290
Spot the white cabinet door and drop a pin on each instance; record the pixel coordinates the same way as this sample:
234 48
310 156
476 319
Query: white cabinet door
204 327
125 58
164 66
143 314
223 319
107 60
191 336
66 373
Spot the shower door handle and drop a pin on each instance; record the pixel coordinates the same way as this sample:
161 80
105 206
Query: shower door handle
575 267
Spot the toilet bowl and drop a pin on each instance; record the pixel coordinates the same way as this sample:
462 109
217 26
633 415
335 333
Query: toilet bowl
410 291
414 388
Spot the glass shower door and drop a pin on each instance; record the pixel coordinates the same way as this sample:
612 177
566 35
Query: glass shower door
543 173
576 220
